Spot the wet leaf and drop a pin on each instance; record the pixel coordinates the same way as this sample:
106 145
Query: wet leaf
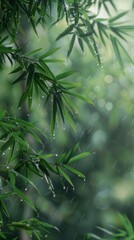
79 156
65 176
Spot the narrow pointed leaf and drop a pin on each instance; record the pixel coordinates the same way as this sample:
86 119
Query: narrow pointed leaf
79 156
71 45
64 75
120 15
49 53
73 170
68 30
65 176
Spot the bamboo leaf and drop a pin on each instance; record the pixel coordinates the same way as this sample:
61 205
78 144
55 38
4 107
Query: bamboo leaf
125 51
116 50
69 119
68 30
18 69
81 44
71 45
53 117
64 75
33 52
65 176
85 99
8 143
23 197
118 16
79 156
23 98
73 170
20 78
49 53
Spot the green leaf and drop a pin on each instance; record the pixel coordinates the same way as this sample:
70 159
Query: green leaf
33 52
68 30
25 179
8 143
49 53
47 69
64 75
69 119
116 31
23 98
60 105
65 176
33 26
21 225
53 117
81 44
116 50
49 166
127 28
79 156
12 177
23 197
126 224
73 170
20 78
4 208
71 45
18 69
125 51
4 49
118 16
85 99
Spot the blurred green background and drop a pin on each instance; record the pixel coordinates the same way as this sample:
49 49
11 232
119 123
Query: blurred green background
106 129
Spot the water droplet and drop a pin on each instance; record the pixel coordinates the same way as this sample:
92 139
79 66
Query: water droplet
46 236
3 153
54 195
64 187
84 179
21 200
9 148
73 188
8 167
56 154
25 189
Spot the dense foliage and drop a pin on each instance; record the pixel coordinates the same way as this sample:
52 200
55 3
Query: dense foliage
22 148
